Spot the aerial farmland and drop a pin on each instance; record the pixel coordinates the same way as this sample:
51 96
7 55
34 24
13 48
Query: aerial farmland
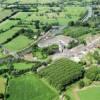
49 50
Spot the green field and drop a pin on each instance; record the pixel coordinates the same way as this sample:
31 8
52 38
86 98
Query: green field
8 34
18 43
22 15
28 71
22 65
19 65
92 93
6 25
30 87
63 17
4 13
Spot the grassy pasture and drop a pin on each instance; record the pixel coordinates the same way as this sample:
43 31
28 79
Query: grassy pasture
22 65
19 65
4 13
18 43
8 34
7 24
92 93
30 87
68 14
22 15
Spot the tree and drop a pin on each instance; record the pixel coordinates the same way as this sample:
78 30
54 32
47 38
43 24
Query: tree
71 23
10 66
93 73
81 84
37 24
1 95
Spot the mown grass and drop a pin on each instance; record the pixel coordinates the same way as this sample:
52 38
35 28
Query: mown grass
30 87
18 43
8 34
7 24
92 93
4 13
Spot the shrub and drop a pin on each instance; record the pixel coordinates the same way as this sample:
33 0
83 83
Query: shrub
93 74
81 84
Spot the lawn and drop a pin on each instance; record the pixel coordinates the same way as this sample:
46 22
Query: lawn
90 94
18 43
30 87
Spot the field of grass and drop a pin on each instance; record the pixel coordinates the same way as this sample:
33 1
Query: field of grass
7 24
4 13
19 65
63 17
8 34
22 15
22 65
18 43
77 32
30 87
92 93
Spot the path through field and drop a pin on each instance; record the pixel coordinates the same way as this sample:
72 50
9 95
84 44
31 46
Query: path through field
75 93
76 89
